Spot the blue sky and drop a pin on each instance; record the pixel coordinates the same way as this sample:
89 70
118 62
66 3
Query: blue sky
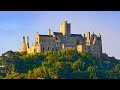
15 24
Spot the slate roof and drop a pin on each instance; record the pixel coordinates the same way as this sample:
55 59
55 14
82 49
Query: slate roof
57 33
46 35
76 35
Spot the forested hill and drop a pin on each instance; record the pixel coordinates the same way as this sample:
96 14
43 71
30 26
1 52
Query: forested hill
62 64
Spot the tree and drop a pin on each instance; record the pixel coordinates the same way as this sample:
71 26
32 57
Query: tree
53 73
79 64
91 69
117 68
93 76
14 75
29 75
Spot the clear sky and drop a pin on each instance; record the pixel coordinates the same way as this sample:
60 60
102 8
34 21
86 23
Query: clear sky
16 24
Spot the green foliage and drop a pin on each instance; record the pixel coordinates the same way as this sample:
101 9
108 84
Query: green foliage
117 68
61 64
78 64
13 76
91 69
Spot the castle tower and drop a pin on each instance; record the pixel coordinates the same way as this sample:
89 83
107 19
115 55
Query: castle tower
65 28
88 35
27 42
96 45
84 35
88 39
23 40
49 32
100 40
23 46
37 40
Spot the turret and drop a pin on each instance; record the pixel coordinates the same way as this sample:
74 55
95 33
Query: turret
99 35
88 35
23 46
37 39
88 39
84 35
27 42
23 40
49 32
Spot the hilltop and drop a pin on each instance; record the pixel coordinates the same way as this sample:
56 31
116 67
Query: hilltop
61 64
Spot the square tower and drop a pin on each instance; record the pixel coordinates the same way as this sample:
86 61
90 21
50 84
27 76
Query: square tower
65 28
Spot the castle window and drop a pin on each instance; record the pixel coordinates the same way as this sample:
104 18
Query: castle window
48 48
52 49
77 42
36 42
43 49
56 43
34 50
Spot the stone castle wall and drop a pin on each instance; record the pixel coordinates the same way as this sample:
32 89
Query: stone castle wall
64 40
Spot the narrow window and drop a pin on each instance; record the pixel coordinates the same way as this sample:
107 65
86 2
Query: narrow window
43 49
52 49
34 50
48 48
77 42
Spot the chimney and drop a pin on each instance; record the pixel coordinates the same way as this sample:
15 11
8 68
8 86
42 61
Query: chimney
49 32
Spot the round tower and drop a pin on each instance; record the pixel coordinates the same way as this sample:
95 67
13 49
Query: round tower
23 46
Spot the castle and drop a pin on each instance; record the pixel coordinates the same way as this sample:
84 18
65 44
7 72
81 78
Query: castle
64 40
